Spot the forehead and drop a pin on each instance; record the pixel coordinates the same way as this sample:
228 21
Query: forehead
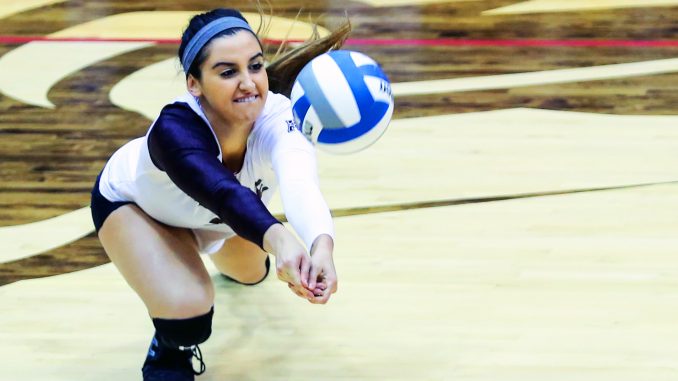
240 46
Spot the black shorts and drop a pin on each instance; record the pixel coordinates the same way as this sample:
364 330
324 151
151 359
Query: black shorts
101 207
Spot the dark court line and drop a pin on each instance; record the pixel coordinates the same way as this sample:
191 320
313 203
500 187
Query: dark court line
89 253
347 212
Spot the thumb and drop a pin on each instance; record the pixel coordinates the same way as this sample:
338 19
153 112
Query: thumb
294 276
305 269
313 277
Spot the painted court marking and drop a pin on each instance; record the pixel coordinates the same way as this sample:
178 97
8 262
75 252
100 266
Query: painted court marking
547 77
73 48
566 142
62 230
397 3
548 6
147 90
105 38
11 7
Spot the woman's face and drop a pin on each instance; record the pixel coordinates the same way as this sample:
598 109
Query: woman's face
234 82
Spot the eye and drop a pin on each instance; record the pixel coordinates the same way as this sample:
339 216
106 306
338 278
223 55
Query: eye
256 66
227 73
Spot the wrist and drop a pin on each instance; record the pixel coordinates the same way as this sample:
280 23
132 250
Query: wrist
273 238
323 243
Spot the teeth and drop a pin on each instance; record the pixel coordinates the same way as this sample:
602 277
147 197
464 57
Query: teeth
248 99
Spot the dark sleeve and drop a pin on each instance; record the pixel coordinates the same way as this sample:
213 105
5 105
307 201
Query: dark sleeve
182 145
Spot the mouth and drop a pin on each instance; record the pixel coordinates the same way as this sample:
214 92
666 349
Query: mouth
249 99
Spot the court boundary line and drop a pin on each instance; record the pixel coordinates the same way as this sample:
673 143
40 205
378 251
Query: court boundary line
572 43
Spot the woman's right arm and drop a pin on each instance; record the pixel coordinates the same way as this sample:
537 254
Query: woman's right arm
182 145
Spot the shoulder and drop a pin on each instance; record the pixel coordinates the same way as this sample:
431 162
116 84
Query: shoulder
179 124
276 104
179 114
184 111
276 128
276 100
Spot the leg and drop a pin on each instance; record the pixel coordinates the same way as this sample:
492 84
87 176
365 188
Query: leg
242 261
162 265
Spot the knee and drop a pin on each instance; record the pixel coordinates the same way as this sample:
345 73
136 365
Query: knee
252 278
183 302
175 333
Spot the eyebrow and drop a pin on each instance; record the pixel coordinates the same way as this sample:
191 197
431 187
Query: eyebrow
222 63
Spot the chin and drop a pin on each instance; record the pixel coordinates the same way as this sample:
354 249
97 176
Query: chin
244 113
250 116
255 110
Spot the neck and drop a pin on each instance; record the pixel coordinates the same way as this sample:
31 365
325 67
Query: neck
232 138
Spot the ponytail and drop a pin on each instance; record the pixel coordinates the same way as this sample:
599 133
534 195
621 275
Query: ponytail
284 70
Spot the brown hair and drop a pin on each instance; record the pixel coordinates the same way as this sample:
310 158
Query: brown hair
284 70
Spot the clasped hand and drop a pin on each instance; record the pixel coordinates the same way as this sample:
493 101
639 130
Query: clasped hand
312 277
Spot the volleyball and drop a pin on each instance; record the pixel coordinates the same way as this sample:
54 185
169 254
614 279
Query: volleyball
342 101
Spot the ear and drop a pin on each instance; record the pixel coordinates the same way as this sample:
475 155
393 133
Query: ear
193 86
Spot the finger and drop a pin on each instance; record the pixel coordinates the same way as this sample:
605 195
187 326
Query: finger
331 289
305 269
321 299
301 291
294 273
307 293
301 295
314 277
287 276
296 291
317 291
316 299
324 297
321 285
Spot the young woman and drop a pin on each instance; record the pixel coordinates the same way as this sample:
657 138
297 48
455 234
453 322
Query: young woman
198 183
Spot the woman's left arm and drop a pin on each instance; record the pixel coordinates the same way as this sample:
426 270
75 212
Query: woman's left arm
294 163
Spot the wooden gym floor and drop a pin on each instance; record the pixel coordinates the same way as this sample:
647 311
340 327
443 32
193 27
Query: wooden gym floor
517 221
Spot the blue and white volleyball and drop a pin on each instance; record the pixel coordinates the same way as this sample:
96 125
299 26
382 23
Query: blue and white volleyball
342 101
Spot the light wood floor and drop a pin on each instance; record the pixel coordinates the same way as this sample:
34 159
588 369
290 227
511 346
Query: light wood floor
516 222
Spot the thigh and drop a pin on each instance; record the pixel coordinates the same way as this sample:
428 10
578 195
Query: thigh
241 260
161 263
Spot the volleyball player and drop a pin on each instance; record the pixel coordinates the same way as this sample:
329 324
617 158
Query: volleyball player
198 181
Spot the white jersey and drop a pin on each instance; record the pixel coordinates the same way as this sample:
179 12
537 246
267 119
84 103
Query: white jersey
276 150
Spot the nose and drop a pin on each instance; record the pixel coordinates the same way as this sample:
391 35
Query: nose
246 82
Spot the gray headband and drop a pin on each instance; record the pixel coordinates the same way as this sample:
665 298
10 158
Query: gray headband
205 34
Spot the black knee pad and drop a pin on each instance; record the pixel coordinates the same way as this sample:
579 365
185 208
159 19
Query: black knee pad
175 333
